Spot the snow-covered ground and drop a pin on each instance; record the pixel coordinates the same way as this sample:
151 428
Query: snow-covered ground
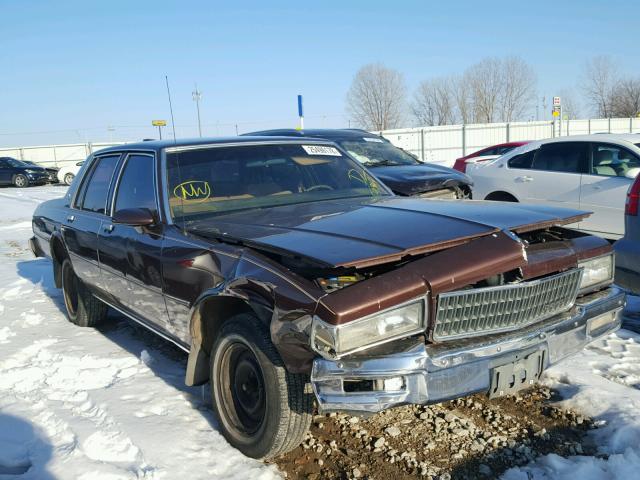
110 403
92 404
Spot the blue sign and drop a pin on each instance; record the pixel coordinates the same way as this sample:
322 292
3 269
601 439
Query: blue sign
300 114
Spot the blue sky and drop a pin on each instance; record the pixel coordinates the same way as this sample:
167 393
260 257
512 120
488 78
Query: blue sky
70 69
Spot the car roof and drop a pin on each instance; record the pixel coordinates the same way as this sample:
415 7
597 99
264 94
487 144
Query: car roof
594 137
189 142
328 133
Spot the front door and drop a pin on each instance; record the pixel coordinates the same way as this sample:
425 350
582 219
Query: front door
141 252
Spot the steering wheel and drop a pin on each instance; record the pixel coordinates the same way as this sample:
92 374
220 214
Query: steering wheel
319 187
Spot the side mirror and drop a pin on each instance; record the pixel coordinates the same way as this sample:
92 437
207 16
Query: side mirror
136 217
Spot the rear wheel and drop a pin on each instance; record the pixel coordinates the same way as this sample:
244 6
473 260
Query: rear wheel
83 308
68 178
263 410
20 181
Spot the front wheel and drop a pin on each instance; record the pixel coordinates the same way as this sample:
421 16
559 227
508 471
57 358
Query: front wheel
83 308
20 181
68 178
263 410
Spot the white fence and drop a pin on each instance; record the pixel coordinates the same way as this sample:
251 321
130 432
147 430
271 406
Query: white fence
432 144
55 155
446 143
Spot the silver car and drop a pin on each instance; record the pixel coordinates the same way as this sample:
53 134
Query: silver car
628 247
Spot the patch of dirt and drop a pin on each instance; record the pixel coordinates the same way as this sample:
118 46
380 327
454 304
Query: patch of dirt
467 438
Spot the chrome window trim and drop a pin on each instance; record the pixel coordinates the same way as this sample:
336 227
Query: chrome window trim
185 148
127 156
91 167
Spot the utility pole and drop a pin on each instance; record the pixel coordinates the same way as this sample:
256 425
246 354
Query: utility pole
197 95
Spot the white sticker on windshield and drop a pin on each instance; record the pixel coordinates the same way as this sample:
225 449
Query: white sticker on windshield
321 150
374 140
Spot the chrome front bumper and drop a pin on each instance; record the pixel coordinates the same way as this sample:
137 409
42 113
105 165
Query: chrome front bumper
432 373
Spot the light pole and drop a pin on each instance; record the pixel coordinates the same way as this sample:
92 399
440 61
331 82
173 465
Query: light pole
197 95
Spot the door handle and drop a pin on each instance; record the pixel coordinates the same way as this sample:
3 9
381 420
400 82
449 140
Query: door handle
71 218
524 178
108 228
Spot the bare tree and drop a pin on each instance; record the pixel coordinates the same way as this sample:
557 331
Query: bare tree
518 88
461 92
485 81
599 84
433 102
570 105
377 97
626 98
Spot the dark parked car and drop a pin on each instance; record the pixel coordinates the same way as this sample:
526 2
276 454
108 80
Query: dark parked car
628 247
52 172
290 274
403 173
21 174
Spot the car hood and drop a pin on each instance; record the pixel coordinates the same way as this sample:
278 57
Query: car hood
360 233
416 179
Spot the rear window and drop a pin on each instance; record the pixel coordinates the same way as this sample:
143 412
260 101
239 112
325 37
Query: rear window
524 160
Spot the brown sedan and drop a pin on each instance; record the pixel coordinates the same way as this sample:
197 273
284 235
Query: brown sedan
291 275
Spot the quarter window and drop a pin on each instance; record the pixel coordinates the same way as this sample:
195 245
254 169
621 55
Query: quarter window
524 160
95 190
137 188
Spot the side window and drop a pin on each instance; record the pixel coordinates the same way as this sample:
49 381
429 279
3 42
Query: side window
612 160
524 160
136 188
93 196
567 157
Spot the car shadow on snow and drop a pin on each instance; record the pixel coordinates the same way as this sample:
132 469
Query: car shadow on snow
165 360
24 450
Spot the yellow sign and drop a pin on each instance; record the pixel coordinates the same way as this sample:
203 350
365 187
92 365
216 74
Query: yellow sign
556 113
193 191
159 123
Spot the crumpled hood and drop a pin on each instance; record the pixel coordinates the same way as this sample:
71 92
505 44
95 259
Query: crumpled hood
361 232
415 179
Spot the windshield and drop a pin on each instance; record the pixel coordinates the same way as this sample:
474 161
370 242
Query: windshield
209 181
377 152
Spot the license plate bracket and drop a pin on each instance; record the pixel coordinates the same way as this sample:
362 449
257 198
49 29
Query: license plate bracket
515 376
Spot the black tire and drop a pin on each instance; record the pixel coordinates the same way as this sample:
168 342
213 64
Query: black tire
68 178
262 409
20 181
82 307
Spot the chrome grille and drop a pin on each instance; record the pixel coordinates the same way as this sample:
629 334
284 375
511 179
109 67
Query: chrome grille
482 311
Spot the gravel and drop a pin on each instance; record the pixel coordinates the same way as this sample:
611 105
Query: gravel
462 439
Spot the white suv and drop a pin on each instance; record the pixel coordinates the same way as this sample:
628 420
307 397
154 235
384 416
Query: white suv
587 172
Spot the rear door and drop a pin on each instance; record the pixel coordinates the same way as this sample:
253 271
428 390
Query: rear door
550 175
604 188
81 226
139 261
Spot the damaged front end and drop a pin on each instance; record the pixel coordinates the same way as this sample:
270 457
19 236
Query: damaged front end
488 315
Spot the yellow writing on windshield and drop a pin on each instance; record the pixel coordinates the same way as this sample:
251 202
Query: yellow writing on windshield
362 177
193 190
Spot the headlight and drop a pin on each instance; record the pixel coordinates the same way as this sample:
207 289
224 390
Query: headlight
596 271
335 341
31 171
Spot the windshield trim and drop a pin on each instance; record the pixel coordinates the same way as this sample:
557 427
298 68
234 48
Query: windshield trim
164 180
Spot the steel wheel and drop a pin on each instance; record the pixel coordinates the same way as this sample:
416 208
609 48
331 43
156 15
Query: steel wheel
244 402
70 290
